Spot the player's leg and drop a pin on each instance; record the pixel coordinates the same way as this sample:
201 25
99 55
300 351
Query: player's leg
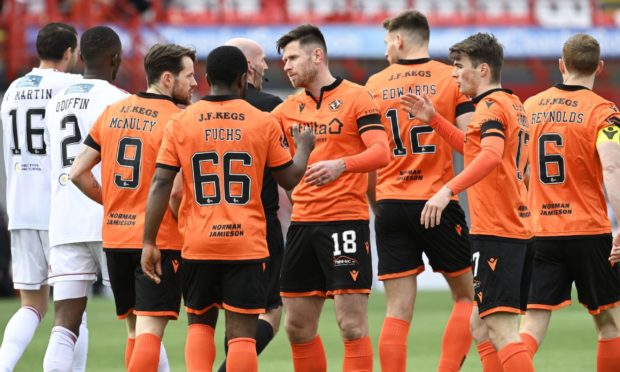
550 289
269 322
155 305
345 259
487 352
352 317
121 270
457 336
607 324
303 295
80 352
29 251
74 268
502 272
400 260
449 251
202 294
243 298
598 288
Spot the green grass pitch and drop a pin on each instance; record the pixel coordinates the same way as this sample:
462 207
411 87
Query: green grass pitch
570 344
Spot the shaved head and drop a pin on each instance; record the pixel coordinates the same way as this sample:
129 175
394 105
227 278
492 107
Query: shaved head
255 55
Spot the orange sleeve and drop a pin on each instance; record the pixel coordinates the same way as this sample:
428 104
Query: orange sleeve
490 156
453 135
168 157
376 155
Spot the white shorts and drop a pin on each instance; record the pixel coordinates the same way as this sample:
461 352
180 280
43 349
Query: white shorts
78 261
30 254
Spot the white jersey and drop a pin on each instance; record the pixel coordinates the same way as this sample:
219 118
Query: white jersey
74 218
26 158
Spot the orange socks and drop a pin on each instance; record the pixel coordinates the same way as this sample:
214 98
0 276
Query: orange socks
309 356
393 345
608 355
456 338
145 357
242 355
357 355
129 350
516 358
199 348
530 343
488 357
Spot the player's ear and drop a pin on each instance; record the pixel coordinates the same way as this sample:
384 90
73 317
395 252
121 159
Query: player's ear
561 66
600 67
166 79
318 55
485 70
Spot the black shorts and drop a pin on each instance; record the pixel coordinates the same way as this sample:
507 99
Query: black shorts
236 286
275 243
401 240
327 259
502 272
558 262
134 291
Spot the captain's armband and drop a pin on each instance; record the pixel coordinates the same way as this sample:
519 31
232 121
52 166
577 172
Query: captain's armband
609 134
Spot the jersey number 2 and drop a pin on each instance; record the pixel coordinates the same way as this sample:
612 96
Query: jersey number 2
414 135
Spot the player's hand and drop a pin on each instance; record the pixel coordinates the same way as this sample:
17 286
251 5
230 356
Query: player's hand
431 214
303 138
325 171
419 106
615 250
151 262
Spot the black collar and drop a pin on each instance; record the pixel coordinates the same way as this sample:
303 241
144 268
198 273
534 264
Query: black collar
223 97
154 96
479 98
324 89
571 88
417 61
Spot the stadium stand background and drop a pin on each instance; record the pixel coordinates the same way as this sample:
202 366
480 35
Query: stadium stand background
532 32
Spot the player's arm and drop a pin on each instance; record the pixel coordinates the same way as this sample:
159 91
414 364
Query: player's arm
371 193
422 108
82 176
608 147
288 177
156 204
376 155
176 195
489 157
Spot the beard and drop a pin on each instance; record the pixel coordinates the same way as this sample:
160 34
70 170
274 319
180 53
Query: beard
303 79
179 96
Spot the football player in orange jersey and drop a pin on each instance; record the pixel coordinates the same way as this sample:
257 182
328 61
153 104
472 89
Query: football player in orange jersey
269 322
575 137
125 139
422 163
327 247
222 144
495 152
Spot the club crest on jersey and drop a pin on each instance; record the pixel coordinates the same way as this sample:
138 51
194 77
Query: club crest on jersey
335 105
63 179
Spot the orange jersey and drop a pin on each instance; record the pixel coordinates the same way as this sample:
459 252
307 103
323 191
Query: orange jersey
343 111
222 144
498 202
566 184
422 161
128 135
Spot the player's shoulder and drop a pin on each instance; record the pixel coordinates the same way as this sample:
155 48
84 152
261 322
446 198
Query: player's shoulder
377 79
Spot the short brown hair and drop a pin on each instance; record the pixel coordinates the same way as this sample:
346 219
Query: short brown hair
305 34
481 48
581 54
409 20
165 57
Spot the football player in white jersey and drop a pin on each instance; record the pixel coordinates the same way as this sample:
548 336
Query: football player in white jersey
75 221
26 161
